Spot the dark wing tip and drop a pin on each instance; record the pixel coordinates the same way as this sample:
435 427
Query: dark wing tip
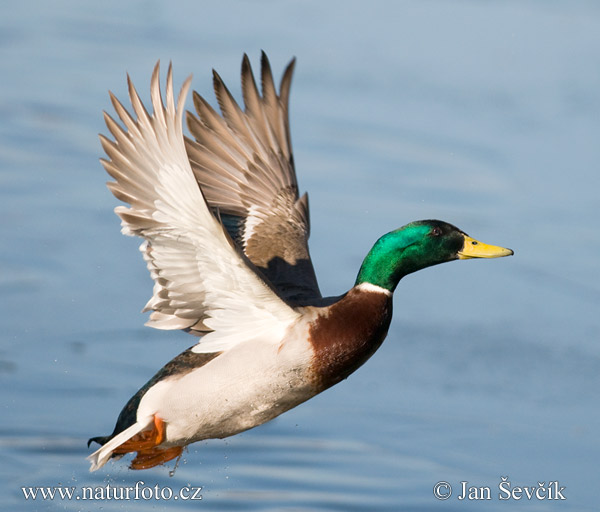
245 62
286 82
268 85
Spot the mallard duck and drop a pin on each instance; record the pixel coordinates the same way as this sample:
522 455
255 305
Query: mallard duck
225 239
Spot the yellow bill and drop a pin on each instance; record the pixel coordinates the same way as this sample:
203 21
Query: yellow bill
476 249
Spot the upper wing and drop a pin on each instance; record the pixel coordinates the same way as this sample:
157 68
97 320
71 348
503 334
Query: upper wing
202 283
243 162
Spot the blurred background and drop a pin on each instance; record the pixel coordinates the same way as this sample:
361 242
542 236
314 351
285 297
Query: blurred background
483 114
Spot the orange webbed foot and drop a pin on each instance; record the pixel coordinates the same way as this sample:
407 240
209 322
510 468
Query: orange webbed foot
147 445
150 458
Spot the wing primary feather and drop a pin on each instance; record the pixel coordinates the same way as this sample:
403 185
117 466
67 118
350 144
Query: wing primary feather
268 85
284 98
250 92
143 118
286 84
156 95
125 116
253 101
229 108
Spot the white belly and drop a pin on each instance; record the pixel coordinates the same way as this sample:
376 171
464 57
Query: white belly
244 387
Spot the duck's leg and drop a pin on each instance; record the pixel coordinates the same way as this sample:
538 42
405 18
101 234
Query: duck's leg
145 440
147 445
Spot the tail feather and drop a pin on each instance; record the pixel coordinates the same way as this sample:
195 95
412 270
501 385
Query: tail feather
101 440
104 453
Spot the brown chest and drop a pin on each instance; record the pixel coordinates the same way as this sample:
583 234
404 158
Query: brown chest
347 334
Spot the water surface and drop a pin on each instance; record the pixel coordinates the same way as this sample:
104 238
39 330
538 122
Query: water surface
484 114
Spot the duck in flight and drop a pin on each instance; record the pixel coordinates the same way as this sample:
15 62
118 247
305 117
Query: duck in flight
225 240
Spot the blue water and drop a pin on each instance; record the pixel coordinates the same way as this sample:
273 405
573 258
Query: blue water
484 114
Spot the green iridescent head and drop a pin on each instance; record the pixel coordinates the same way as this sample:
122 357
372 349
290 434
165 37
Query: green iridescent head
419 245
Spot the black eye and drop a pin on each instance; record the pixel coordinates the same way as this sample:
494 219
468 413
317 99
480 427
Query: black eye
436 231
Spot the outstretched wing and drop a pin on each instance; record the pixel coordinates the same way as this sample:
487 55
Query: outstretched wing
243 162
202 282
